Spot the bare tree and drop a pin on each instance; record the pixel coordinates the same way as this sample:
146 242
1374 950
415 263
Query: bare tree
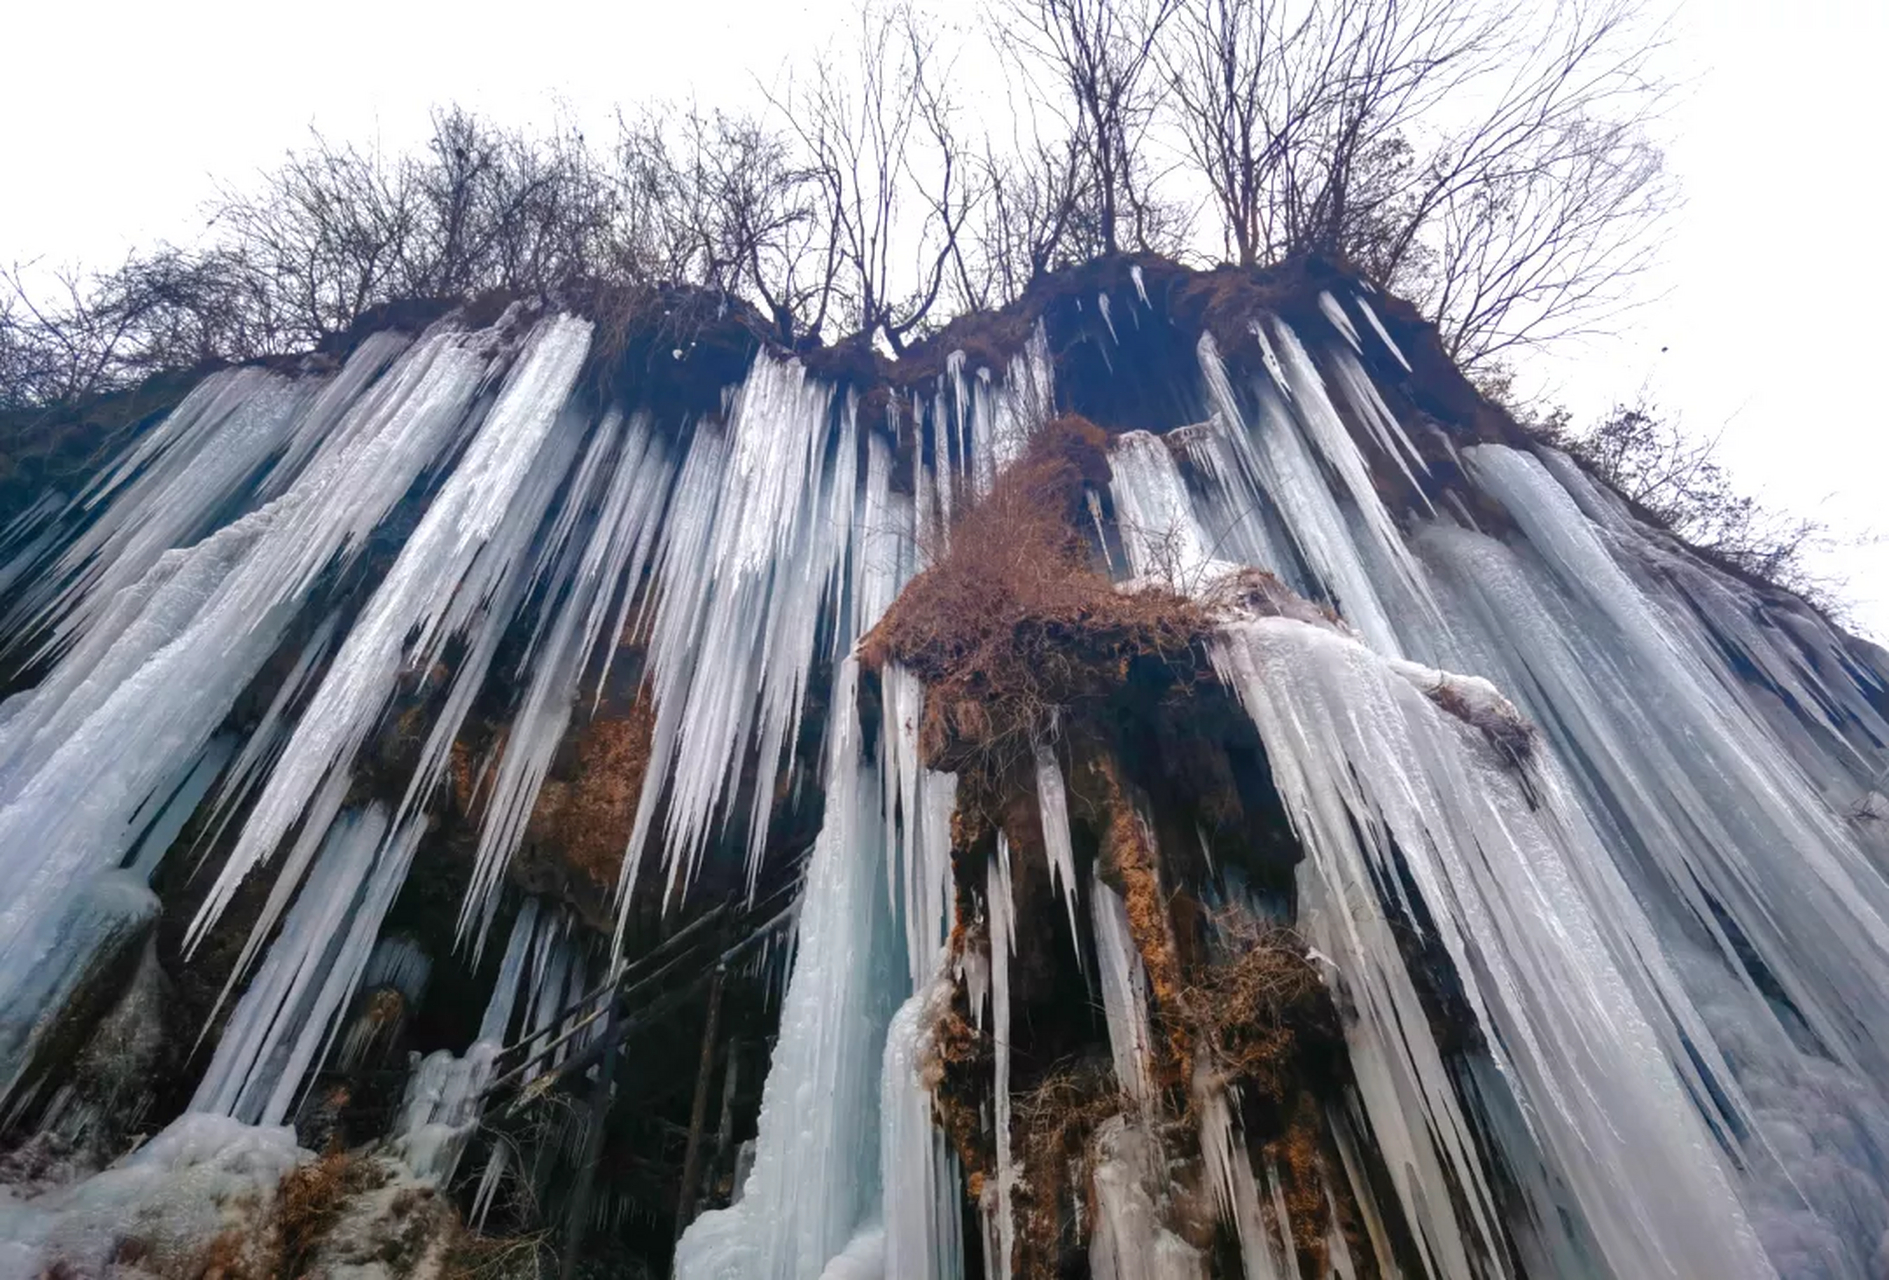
1491 163
327 232
1100 52
94 332
1037 214
879 136
724 201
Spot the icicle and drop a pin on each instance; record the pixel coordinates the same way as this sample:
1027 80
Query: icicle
1273 459
1101 304
815 1179
1233 507
1230 1175
126 710
1052 800
1154 514
923 1232
1364 763
1009 415
266 739
1129 1241
1708 793
1268 357
1124 992
1340 321
440 1108
1000 903
917 805
1364 305
1315 414
272 1033
414 599
610 560
1141 289
1283 1219
398 966
398 963
186 471
504 997
182 804
733 640
100 919
1362 395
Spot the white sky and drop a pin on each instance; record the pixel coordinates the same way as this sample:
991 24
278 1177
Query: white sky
116 117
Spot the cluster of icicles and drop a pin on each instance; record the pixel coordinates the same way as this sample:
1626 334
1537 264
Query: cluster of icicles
1701 809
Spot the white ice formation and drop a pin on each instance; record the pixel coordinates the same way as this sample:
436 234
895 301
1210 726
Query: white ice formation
1669 924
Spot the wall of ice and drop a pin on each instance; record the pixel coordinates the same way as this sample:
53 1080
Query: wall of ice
1672 926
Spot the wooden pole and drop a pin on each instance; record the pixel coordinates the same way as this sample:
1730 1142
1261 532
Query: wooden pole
579 1220
698 1111
725 1131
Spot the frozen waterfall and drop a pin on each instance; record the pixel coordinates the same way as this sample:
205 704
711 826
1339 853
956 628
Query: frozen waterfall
1618 809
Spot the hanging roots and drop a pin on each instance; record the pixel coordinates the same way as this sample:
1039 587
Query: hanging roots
1051 1126
1272 1032
1260 1006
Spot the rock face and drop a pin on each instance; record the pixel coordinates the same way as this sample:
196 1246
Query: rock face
1163 781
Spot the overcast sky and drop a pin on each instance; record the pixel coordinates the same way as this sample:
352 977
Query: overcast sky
115 118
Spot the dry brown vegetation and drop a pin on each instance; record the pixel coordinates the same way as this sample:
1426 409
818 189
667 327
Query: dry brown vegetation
588 818
310 1199
1129 857
1259 1004
580 827
1015 622
1265 1019
472 1256
1051 1128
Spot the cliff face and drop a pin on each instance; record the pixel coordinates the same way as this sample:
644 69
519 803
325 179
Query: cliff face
1161 781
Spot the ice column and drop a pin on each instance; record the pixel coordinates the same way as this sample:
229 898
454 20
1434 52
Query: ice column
815 1180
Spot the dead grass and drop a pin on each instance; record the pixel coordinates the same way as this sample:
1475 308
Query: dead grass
589 817
309 1202
580 827
1015 622
1260 1005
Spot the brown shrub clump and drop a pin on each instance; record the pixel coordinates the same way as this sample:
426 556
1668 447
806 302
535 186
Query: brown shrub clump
1014 621
580 827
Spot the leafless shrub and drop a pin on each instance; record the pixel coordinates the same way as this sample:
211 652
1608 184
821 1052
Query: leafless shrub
1679 479
727 201
1491 163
